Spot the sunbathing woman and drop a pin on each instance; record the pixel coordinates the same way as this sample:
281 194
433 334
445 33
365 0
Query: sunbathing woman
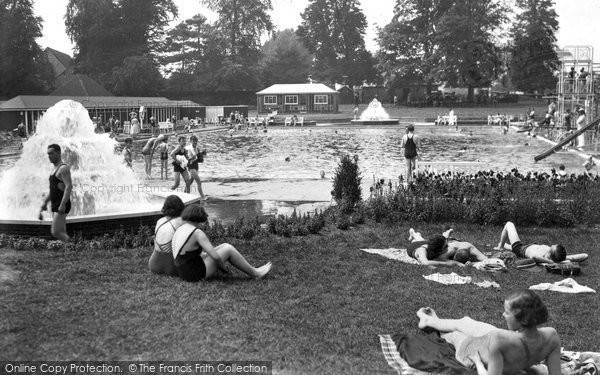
197 259
161 260
498 351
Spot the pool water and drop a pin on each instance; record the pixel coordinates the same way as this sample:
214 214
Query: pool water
263 156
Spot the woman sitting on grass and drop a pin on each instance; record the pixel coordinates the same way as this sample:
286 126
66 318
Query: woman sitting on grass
498 351
197 259
161 260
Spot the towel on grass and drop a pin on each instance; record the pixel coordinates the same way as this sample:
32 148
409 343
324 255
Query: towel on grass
453 278
395 254
572 363
564 286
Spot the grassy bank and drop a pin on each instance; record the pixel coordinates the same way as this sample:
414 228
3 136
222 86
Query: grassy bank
320 310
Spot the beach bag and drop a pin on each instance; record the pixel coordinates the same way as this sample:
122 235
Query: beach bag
563 268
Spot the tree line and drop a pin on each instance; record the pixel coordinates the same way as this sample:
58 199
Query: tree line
129 47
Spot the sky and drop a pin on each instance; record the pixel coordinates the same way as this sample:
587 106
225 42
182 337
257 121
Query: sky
577 20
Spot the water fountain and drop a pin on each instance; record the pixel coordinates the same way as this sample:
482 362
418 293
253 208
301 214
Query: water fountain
375 114
106 194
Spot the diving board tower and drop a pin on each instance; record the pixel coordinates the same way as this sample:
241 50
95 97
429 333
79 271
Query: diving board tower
579 90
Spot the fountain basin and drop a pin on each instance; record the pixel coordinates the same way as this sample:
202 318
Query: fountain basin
89 226
389 121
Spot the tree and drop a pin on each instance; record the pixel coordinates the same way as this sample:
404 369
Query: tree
242 22
285 59
185 45
137 76
24 67
408 42
333 30
106 32
533 55
466 44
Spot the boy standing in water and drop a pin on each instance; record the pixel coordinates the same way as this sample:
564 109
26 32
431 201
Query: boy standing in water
163 150
411 145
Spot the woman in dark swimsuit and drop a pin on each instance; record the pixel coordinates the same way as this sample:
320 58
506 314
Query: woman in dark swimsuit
179 167
196 258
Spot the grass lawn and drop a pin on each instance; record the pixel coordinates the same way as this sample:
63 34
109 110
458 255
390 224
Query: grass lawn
319 312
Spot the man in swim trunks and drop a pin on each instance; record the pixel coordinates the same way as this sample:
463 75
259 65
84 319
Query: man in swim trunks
148 151
60 194
509 240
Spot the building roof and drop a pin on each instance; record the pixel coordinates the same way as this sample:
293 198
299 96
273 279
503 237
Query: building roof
81 85
62 57
298 88
38 102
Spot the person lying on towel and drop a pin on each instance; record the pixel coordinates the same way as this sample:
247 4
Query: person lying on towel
509 240
441 250
498 351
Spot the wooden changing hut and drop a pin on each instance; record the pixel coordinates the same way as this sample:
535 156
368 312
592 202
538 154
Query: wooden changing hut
298 98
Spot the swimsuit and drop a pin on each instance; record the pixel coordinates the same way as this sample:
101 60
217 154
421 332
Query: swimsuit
519 249
161 260
199 159
56 194
190 266
413 246
480 344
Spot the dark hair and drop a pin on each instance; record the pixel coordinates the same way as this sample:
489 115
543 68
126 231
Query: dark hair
55 147
173 206
410 128
194 213
528 308
462 256
180 138
128 140
435 246
193 138
558 254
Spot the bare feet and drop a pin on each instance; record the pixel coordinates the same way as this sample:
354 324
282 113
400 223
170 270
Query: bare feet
411 234
260 272
426 314
448 232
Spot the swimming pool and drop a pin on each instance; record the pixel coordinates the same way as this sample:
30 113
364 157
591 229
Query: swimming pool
262 156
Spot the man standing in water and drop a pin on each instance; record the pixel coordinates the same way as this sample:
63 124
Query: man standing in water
60 194
411 145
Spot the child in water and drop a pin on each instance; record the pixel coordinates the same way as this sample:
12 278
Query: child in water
163 150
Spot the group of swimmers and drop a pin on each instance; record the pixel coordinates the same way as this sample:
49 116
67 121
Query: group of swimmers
185 159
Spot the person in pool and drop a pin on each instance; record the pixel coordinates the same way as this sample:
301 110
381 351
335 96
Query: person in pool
509 240
195 257
496 351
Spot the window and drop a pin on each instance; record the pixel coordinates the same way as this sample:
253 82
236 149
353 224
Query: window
291 99
270 99
320 99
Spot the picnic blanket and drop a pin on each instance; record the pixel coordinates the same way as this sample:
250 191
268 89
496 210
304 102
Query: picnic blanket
572 363
567 285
